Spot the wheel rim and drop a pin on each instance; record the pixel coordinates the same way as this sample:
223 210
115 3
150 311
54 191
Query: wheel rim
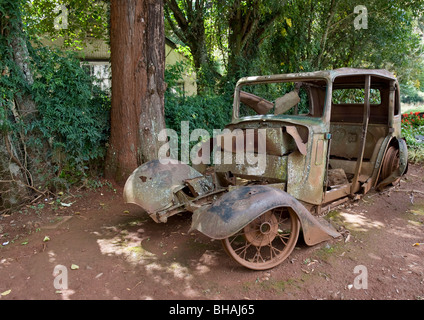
390 162
266 241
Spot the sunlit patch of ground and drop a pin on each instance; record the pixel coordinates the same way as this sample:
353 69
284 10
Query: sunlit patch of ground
129 246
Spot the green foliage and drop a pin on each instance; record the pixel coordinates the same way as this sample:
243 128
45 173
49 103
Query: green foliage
342 96
203 112
73 112
410 94
208 111
271 36
413 132
74 21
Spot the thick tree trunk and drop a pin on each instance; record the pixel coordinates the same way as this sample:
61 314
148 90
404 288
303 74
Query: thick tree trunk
152 97
138 62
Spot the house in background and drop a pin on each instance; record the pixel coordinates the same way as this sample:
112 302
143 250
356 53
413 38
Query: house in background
95 57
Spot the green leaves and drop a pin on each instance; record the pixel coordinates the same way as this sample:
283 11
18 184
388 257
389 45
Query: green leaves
73 112
85 20
71 125
208 111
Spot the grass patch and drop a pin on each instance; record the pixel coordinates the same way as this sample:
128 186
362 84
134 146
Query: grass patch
415 215
279 286
412 107
327 251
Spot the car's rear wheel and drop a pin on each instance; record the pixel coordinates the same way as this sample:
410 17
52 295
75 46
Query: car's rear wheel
390 163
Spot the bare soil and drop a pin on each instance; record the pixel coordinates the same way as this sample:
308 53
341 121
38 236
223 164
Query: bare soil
111 250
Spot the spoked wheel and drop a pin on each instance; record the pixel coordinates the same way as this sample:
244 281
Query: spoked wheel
266 241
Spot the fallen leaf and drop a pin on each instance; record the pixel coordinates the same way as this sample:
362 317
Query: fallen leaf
46 238
6 292
24 243
65 204
74 267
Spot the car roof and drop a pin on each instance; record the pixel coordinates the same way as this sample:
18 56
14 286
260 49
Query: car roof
362 72
346 75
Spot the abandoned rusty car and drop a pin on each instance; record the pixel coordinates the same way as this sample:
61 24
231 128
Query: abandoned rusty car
314 139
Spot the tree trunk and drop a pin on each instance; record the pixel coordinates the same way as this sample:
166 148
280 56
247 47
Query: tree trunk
138 62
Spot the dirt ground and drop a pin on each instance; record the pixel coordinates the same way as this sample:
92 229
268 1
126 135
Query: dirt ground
106 249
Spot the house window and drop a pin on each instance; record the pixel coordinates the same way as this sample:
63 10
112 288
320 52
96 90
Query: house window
178 89
101 71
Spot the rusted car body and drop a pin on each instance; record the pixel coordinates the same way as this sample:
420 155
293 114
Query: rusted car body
326 137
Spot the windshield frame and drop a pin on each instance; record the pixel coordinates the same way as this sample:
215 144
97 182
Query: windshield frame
281 78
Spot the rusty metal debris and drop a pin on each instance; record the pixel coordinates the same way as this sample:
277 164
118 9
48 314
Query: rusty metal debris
327 136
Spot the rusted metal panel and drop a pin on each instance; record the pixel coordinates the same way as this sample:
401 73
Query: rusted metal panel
277 140
306 178
273 170
199 186
152 186
260 105
301 146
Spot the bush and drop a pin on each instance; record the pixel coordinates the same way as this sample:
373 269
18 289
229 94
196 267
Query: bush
410 94
207 111
71 126
204 111
413 132
74 113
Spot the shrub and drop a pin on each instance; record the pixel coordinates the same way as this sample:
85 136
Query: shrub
74 113
71 126
204 111
413 132
410 94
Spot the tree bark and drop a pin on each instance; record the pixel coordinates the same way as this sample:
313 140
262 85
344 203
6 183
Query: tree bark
138 62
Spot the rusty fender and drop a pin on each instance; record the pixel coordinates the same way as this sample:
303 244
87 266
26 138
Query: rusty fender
236 209
152 185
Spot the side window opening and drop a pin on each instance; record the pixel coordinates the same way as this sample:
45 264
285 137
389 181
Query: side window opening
356 96
348 103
